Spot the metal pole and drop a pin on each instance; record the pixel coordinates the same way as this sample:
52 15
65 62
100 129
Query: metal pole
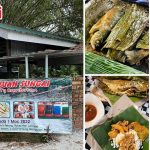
27 67
46 66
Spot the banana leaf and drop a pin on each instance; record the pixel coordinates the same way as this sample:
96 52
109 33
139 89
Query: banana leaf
120 29
116 55
144 42
115 98
95 64
129 28
135 30
100 133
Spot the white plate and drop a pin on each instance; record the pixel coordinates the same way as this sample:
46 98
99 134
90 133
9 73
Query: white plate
95 101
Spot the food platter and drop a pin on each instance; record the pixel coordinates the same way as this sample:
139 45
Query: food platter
24 110
100 133
117 37
124 125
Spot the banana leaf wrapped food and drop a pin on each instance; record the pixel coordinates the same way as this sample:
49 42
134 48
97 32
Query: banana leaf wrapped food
122 35
144 41
103 27
92 16
116 55
135 56
141 51
129 28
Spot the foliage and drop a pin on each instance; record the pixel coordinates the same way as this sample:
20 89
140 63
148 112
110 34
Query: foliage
65 70
54 71
62 17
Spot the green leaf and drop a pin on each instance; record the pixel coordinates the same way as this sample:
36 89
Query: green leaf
100 133
114 98
95 64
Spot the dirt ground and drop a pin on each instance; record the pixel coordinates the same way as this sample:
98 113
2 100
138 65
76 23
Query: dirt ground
58 142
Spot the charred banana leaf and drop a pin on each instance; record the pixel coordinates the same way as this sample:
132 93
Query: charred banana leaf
129 28
116 55
120 29
135 30
103 27
144 42
134 57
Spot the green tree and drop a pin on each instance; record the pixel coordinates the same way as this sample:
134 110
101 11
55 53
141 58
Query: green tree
54 71
62 17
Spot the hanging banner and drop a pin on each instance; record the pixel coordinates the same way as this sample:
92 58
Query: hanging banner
36 106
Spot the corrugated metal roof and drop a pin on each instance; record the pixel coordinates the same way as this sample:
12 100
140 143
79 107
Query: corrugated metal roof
36 33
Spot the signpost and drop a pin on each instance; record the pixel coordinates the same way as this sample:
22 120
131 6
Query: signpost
1 12
35 106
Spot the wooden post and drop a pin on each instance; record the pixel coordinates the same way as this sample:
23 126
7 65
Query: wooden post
46 66
27 67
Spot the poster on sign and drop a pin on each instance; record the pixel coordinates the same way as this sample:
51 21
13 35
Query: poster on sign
1 12
36 106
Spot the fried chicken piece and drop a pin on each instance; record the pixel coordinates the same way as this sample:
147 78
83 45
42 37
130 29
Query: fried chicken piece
112 134
142 131
121 126
118 127
124 124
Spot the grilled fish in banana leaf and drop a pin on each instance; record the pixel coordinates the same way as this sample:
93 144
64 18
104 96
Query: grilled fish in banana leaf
103 27
144 42
135 56
137 88
120 29
122 37
134 32
116 55
129 28
96 10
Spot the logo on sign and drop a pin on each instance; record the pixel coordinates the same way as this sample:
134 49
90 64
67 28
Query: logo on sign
1 12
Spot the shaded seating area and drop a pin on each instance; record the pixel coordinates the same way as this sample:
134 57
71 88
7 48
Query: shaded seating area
25 46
